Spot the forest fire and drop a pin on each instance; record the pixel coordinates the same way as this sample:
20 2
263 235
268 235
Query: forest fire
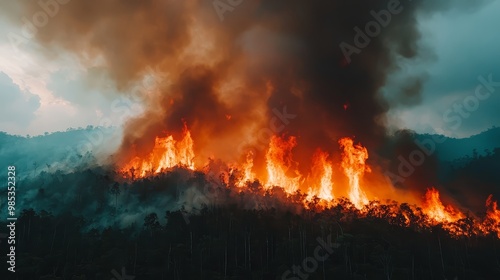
353 163
321 174
166 153
248 175
279 162
492 220
436 211
319 185
225 139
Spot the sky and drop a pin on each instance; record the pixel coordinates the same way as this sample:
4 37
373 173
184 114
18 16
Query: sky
465 47
44 93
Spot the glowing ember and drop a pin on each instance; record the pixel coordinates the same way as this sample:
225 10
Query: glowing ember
353 164
279 161
166 153
437 212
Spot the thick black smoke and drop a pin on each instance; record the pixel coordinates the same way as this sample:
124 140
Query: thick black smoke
231 65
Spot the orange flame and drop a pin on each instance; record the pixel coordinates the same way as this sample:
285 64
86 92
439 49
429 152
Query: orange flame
282 171
166 154
353 164
492 220
248 175
321 174
279 161
437 212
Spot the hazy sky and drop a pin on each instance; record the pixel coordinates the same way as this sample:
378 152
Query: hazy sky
465 47
41 94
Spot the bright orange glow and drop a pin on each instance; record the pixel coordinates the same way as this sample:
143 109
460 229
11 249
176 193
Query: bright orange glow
279 162
353 164
319 185
321 175
437 212
166 154
492 220
248 175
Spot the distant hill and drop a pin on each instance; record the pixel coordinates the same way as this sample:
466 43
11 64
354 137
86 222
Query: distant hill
58 150
467 168
451 149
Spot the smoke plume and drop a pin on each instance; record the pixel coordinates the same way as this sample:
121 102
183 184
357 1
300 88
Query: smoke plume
232 71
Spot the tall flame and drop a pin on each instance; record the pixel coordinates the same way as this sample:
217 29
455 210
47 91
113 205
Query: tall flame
279 161
436 211
321 173
492 220
166 154
248 175
282 171
353 164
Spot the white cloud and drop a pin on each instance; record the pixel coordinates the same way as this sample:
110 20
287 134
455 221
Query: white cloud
69 94
17 107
